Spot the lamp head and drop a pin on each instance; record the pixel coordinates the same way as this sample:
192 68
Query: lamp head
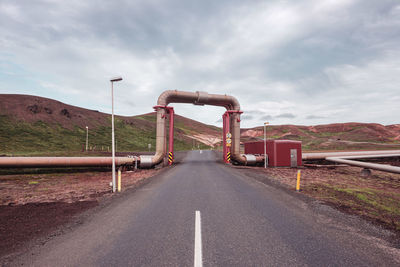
116 79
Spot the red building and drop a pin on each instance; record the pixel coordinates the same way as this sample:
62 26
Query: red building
281 153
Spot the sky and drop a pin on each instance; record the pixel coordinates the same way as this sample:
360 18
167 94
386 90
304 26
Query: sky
303 62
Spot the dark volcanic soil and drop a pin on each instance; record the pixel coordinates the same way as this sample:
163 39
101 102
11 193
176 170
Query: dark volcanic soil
34 205
21 223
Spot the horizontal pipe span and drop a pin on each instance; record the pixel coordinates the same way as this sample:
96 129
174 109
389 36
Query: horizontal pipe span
324 155
197 98
368 165
26 162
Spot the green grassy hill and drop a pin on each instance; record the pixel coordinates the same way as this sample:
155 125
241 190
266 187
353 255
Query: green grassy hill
39 126
31 125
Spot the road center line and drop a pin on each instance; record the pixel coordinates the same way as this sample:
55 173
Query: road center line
198 255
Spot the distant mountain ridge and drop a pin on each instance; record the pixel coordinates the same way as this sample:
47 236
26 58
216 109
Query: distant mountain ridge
31 124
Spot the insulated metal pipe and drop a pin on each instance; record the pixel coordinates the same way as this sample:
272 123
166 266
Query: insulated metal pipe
369 156
26 162
306 156
369 165
196 98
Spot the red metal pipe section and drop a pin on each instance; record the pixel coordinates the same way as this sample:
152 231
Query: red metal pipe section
224 137
228 146
227 153
171 135
25 162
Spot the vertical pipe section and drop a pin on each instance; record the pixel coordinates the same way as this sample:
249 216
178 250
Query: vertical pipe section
160 136
235 125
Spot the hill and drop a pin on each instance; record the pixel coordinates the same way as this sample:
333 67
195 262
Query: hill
336 136
32 124
35 125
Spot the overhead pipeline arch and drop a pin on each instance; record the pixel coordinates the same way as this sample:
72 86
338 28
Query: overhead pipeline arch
197 98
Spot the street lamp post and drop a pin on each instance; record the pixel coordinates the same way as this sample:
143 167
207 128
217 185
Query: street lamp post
265 144
87 138
112 80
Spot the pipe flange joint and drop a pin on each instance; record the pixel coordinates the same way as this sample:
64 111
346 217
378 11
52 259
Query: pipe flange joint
146 161
202 98
250 159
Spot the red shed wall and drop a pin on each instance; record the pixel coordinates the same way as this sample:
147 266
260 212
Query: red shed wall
254 148
282 152
278 151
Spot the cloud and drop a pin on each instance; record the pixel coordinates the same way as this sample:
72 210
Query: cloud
267 117
278 116
286 115
339 59
314 117
246 117
253 112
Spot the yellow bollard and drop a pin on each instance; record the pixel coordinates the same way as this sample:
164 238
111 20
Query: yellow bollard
298 181
119 180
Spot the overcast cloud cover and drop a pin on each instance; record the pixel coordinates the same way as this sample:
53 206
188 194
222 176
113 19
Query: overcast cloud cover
298 62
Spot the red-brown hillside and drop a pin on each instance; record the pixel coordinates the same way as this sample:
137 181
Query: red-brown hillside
34 109
350 135
32 123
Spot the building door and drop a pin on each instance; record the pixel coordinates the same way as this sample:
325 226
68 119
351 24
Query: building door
293 158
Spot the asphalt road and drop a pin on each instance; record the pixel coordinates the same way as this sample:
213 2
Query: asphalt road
243 223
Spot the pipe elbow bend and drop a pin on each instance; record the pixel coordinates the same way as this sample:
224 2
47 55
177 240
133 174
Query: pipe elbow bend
164 98
235 103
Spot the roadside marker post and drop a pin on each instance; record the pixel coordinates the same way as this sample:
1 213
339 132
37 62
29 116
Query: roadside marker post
119 180
298 181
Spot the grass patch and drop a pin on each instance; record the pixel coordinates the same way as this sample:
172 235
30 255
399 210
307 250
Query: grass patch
19 138
376 205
